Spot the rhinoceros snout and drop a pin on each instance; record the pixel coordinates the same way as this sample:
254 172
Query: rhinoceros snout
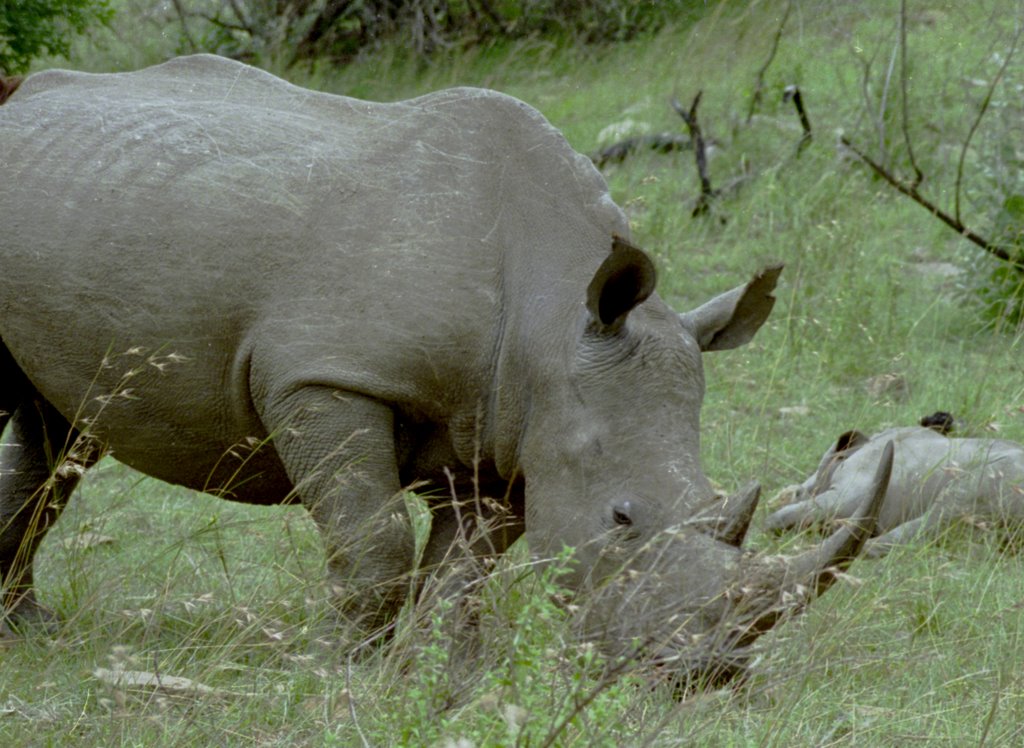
688 674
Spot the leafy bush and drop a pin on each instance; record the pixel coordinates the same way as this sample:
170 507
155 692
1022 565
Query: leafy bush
340 29
29 28
997 286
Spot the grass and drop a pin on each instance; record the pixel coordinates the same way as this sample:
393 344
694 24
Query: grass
922 646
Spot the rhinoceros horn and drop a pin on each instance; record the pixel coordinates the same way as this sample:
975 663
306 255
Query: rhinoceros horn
809 574
728 519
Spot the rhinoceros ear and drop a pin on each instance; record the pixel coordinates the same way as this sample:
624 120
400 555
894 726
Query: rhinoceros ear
850 441
625 279
730 320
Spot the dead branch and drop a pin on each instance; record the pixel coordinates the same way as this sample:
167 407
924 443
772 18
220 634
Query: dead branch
662 142
700 152
755 99
792 93
1004 253
221 24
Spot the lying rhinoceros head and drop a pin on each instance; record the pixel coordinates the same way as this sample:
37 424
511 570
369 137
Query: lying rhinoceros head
611 456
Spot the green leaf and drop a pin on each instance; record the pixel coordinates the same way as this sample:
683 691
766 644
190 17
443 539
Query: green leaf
1009 223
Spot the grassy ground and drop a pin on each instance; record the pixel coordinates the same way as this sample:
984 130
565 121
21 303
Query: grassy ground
922 646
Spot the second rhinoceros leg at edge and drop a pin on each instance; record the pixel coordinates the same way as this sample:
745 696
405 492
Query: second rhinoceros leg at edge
37 475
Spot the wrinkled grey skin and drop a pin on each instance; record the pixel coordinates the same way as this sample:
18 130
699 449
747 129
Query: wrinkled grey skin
935 481
272 294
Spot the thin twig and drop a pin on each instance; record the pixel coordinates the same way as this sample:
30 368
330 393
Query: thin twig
180 9
883 104
1006 254
755 99
918 175
352 702
977 120
609 677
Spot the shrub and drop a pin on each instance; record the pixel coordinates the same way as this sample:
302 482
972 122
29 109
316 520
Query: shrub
29 28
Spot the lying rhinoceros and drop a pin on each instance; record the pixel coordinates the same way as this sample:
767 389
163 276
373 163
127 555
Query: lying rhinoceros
273 294
935 481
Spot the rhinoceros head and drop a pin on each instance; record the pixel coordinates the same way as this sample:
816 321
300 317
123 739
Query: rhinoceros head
611 457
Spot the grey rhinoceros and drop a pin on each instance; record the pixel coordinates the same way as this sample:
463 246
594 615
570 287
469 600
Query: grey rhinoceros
273 294
935 481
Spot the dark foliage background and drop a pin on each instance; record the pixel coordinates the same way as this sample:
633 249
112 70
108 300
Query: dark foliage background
341 29
29 28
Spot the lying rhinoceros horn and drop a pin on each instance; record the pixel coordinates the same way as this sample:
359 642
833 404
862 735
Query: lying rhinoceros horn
796 580
729 519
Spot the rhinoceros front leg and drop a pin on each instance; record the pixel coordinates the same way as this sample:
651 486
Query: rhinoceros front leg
339 451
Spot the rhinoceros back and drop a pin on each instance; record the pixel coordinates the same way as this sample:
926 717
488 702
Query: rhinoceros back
178 239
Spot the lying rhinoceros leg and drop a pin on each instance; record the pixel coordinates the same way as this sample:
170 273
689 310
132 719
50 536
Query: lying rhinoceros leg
41 462
802 515
899 535
339 451
925 527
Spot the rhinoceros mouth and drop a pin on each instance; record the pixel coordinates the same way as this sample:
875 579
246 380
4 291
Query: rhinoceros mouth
686 674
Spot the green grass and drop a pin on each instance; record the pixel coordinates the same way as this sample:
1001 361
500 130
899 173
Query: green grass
920 647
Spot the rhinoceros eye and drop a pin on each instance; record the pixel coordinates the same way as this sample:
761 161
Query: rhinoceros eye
620 514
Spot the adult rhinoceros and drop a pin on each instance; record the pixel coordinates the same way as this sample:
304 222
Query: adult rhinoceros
273 294
936 481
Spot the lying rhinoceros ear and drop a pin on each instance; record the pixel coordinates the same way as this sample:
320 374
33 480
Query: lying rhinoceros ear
850 441
730 320
624 280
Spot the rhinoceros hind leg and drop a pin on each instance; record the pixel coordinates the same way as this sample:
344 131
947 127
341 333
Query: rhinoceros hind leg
36 477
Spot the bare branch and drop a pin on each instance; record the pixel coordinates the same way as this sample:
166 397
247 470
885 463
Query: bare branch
755 100
977 120
792 92
661 142
245 23
216 21
700 151
1004 253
